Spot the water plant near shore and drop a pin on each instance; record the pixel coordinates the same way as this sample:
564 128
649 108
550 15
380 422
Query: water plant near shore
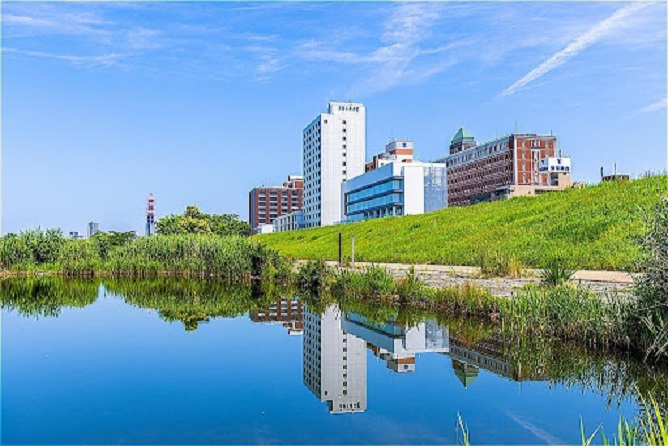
652 285
649 428
555 273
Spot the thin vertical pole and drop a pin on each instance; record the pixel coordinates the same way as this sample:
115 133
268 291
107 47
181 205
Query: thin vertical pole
340 249
352 254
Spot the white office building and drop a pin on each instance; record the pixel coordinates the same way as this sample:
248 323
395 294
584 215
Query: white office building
397 344
334 362
334 151
395 184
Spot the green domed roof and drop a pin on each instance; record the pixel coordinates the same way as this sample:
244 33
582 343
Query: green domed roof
462 135
465 372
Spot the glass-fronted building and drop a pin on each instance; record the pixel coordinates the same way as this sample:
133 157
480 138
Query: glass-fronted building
396 188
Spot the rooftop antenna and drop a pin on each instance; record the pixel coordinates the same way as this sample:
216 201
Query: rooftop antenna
515 125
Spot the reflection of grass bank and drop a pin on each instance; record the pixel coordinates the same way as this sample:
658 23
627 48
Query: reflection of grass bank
591 228
46 296
190 301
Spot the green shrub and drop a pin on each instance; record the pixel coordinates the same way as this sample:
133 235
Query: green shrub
410 287
312 276
555 273
652 285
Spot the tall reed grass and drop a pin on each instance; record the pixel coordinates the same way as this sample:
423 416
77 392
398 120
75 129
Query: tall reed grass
230 258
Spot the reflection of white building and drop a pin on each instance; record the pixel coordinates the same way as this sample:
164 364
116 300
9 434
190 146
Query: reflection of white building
334 362
398 344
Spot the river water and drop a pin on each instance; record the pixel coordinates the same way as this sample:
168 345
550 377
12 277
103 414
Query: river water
194 362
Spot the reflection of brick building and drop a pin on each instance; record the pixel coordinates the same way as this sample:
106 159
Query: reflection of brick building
508 166
265 204
290 313
488 355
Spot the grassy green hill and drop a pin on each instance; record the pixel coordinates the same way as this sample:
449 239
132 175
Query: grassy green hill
590 228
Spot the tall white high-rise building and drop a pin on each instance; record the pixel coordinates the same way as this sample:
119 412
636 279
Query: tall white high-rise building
334 362
334 151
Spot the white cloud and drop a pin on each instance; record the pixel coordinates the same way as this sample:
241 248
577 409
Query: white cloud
582 42
88 61
658 105
400 59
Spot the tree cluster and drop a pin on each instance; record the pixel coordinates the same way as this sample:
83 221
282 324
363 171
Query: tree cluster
194 221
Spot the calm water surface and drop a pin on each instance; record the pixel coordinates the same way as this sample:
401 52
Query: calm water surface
178 362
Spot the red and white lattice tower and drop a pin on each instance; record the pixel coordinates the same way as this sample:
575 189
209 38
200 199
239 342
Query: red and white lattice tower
150 215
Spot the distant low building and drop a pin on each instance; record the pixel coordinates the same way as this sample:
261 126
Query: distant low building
395 184
93 228
75 235
265 229
509 166
289 222
615 176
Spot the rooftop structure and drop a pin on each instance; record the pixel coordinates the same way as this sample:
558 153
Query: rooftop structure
395 151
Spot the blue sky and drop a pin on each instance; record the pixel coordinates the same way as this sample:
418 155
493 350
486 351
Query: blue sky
198 102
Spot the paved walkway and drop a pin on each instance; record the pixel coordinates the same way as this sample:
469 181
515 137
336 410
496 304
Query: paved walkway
442 275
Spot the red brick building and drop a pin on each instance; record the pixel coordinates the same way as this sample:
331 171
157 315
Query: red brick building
288 312
512 165
267 203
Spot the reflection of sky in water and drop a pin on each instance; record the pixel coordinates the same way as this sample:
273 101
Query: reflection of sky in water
114 373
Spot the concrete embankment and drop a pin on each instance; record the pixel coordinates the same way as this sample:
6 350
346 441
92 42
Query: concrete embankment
601 282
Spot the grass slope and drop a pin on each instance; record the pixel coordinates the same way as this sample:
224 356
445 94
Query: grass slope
591 228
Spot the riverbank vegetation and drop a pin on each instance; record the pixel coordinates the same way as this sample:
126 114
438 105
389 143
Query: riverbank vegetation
231 258
194 221
595 227
555 309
